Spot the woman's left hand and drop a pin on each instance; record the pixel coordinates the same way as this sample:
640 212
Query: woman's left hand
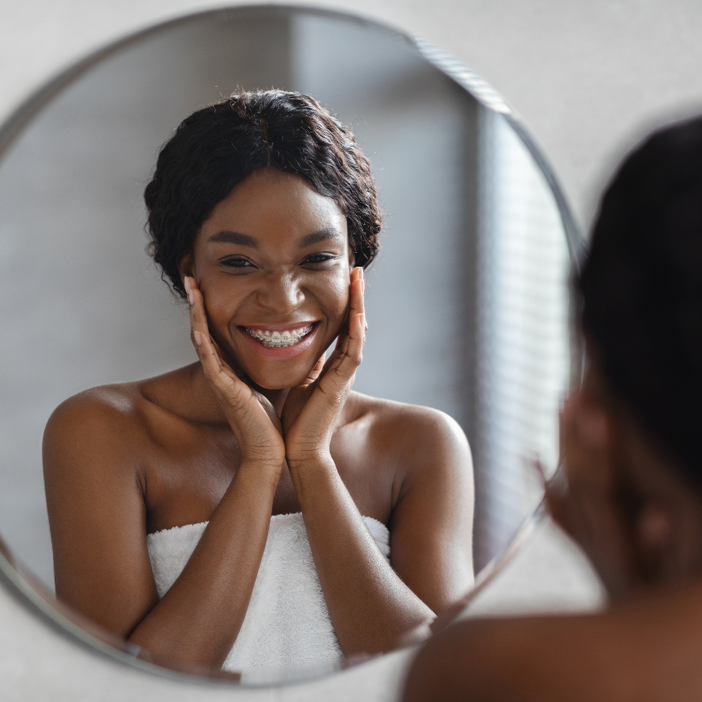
311 409
583 496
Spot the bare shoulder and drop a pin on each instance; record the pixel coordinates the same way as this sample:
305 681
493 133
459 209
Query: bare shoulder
417 436
100 427
108 407
118 424
110 410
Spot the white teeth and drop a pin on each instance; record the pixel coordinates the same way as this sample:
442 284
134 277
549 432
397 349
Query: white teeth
277 339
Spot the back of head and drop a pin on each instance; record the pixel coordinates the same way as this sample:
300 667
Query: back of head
641 289
216 148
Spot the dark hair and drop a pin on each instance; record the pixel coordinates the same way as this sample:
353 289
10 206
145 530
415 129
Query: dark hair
219 146
641 289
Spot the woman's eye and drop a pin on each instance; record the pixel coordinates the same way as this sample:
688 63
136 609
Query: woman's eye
319 258
236 262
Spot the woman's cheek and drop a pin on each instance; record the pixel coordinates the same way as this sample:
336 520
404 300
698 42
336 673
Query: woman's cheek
340 296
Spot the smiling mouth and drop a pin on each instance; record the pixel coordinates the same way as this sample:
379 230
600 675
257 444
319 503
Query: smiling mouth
277 339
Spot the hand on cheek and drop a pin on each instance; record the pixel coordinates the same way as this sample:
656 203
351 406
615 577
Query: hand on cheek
311 410
249 414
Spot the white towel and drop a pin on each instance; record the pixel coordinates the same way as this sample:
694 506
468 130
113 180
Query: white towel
287 626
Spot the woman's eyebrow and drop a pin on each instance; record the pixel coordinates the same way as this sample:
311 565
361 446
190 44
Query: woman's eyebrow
228 237
321 235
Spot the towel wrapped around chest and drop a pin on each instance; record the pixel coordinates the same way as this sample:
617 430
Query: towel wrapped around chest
287 625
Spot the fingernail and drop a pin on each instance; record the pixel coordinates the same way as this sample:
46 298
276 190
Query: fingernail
198 339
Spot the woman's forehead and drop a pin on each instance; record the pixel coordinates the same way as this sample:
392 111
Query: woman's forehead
270 201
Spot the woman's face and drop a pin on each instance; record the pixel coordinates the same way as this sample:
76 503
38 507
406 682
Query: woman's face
273 264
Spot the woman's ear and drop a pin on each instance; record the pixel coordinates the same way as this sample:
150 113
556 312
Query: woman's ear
186 266
654 527
654 534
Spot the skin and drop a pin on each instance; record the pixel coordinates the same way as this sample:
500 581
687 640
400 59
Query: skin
627 502
241 435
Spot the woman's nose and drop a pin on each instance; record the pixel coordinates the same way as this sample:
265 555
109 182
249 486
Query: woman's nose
280 294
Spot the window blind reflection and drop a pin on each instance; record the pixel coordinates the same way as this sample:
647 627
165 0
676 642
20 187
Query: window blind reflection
522 353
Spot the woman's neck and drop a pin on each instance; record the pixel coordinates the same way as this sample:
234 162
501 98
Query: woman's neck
275 397
205 398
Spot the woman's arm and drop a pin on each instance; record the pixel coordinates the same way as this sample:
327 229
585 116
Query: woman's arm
96 500
432 522
98 528
372 604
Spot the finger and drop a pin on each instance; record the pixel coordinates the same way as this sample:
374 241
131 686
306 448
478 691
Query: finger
357 328
317 370
356 291
208 351
356 288
209 358
301 391
348 356
356 306
238 373
198 317
344 343
325 366
343 338
338 378
357 338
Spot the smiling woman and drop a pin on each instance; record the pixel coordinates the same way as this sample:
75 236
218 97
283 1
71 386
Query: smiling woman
250 511
289 283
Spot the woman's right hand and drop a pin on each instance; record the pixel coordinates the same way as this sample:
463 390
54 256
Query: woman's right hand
251 416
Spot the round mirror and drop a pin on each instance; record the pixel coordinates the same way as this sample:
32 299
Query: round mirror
467 302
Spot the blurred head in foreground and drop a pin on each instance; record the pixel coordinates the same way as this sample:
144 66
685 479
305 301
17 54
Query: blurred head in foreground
640 294
629 489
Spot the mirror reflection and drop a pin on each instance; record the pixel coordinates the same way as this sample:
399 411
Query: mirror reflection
465 305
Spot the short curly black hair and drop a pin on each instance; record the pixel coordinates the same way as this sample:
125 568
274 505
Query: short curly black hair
640 289
219 146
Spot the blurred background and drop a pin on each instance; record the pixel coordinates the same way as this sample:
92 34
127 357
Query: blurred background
467 303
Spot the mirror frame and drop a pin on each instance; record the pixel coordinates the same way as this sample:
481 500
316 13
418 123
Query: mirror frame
13 576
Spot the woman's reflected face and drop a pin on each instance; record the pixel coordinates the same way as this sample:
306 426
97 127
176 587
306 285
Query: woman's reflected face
273 264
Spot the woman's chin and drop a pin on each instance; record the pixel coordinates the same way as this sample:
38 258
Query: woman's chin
276 386
279 381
